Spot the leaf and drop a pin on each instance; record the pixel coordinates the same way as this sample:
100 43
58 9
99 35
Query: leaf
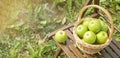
117 7
12 53
30 48
43 22
50 56
89 11
45 49
117 39
114 18
16 45
0 53
64 20
83 1
58 21
40 26
35 54
102 0
69 4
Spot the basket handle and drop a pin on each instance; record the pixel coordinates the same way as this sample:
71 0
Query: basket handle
104 10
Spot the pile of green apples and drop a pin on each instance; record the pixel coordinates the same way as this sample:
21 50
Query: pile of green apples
92 31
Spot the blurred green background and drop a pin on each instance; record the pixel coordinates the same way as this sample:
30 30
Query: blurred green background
24 24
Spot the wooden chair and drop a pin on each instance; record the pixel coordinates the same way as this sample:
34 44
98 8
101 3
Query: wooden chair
70 49
112 51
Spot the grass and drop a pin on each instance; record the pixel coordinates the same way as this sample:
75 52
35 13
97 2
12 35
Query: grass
22 33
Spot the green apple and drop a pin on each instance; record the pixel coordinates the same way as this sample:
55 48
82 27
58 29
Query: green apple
60 36
89 37
101 37
80 30
86 21
94 26
104 26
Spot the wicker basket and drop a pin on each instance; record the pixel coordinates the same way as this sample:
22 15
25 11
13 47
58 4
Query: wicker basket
92 48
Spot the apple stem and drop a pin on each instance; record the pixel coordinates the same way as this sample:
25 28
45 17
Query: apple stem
61 33
87 34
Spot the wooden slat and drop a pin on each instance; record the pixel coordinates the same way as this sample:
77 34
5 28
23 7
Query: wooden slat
98 56
96 2
75 50
105 54
70 35
71 29
116 43
117 51
108 49
58 52
89 56
66 50
72 47
116 28
88 2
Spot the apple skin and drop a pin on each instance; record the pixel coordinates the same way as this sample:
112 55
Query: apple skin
86 21
101 37
89 37
80 30
60 36
104 26
94 26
